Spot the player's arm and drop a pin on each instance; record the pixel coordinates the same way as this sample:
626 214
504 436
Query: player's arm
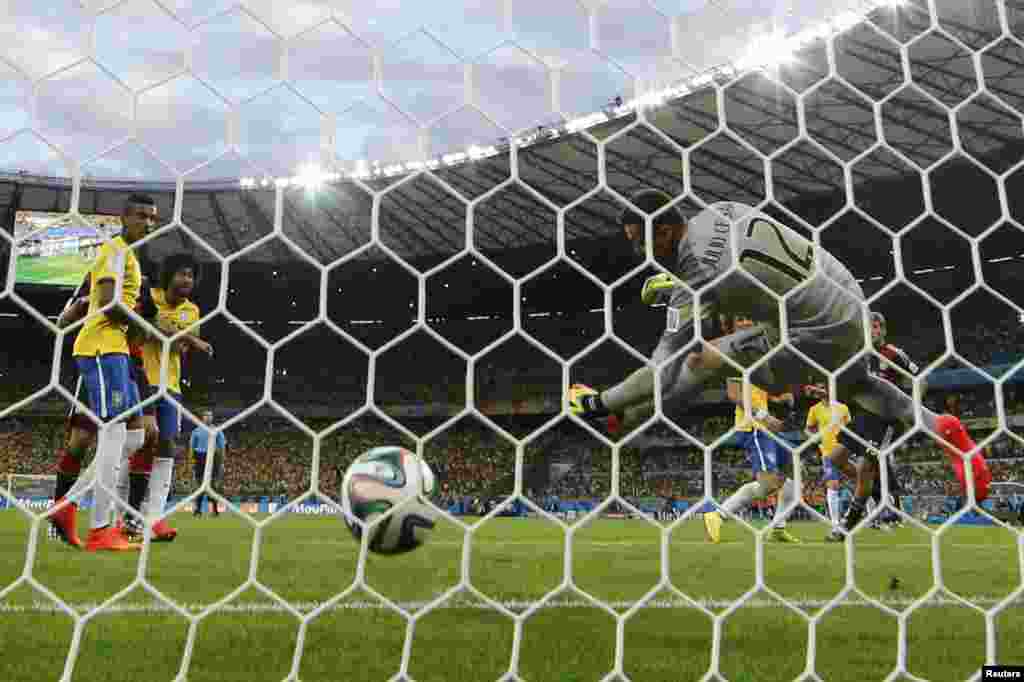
910 367
193 342
75 310
192 339
78 305
811 427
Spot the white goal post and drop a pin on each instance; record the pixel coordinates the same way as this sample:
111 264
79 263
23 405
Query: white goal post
32 490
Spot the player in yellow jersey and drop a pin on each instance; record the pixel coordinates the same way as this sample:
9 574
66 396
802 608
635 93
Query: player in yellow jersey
175 313
769 460
101 353
828 419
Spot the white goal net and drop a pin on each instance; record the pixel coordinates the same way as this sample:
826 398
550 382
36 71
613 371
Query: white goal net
408 221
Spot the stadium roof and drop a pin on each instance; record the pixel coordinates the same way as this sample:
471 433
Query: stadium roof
420 219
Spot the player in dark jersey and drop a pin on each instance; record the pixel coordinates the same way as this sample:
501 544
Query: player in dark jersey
892 364
888 362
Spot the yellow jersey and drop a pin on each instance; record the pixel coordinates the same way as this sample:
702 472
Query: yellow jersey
180 317
758 402
821 416
99 335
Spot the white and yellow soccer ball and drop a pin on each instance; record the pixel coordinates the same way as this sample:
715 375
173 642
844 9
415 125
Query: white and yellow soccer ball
377 481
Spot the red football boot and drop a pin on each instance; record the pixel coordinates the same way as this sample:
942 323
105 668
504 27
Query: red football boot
162 532
65 522
109 538
952 430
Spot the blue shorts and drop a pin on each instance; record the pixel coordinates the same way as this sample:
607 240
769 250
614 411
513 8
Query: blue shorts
168 416
829 472
763 453
109 389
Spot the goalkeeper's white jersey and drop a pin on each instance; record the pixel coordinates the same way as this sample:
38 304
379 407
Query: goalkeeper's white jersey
829 307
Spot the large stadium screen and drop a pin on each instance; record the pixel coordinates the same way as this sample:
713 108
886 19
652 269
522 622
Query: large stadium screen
56 249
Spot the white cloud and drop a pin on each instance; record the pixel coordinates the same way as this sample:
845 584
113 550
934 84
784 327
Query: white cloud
239 57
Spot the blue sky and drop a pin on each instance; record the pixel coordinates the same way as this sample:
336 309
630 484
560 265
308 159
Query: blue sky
186 84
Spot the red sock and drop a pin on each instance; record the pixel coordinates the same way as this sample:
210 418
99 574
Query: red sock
143 459
68 468
68 463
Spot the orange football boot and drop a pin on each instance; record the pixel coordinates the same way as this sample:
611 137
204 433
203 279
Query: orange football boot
162 532
65 522
109 538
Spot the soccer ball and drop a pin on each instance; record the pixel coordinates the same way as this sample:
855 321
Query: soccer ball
379 480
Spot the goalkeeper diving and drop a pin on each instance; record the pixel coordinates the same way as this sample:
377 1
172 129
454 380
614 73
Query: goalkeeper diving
825 320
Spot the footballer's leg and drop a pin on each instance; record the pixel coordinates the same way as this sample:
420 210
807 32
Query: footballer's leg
197 475
217 477
882 398
139 464
81 436
777 460
684 375
106 380
767 480
135 439
832 501
161 478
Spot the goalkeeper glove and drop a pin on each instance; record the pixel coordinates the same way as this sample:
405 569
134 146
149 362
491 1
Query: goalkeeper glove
655 285
585 402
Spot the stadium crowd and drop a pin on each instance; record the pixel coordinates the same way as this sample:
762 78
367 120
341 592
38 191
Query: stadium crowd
273 458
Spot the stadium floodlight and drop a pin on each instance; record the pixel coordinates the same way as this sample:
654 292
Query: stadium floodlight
770 50
310 175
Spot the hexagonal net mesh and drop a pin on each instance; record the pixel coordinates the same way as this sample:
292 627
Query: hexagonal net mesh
452 297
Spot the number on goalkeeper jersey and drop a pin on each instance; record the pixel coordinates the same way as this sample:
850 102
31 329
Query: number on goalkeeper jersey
766 244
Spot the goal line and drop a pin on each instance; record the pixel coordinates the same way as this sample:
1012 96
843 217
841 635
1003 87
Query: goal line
512 605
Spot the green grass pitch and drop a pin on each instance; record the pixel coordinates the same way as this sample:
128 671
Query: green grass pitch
54 270
307 560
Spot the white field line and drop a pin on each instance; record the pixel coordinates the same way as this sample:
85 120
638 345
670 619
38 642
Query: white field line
273 607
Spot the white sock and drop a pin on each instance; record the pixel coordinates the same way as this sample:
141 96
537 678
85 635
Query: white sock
784 499
134 439
109 446
742 497
159 486
832 497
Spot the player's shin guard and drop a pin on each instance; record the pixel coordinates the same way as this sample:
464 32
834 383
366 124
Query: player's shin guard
159 491
134 439
786 496
832 498
743 497
108 452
